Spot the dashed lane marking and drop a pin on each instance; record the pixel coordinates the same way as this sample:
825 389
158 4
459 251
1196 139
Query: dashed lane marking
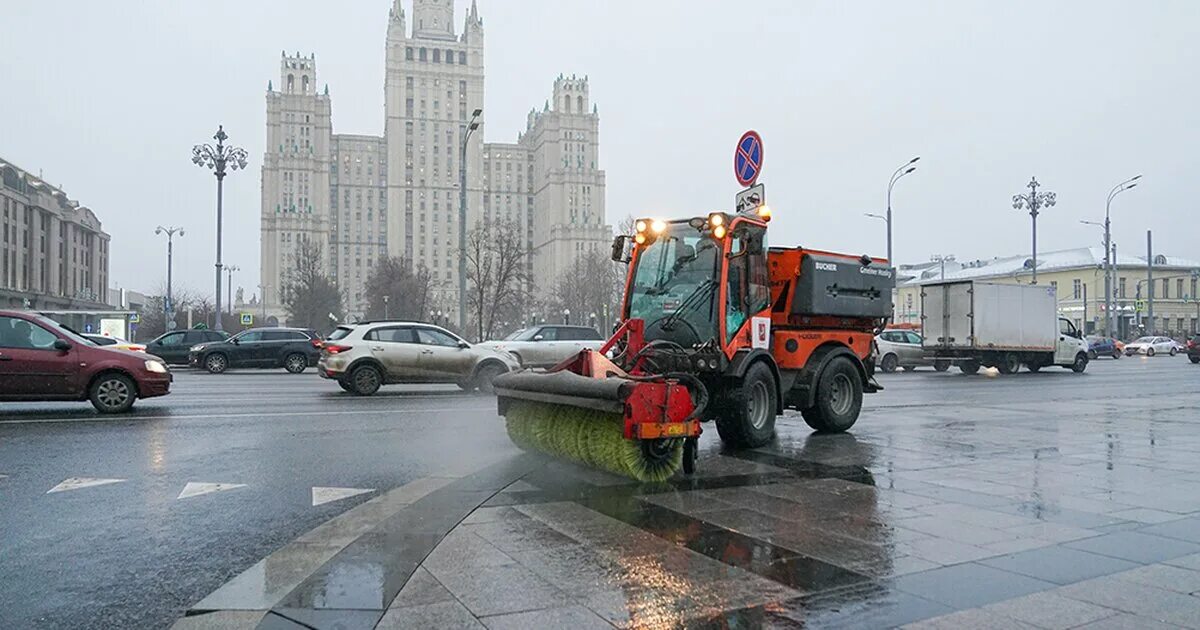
290 414
75 483
322 495
195 489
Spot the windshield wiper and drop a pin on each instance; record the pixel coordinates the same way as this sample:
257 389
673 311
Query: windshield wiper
690 301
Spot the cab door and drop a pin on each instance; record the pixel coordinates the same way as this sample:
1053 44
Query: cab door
442 359
1068 344
30 365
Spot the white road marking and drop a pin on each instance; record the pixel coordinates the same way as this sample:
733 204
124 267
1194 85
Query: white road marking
291 414
194 489
322 495
75 483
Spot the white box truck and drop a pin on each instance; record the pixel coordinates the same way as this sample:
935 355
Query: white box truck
982 324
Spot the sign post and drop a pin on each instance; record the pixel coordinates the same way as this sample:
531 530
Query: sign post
747 166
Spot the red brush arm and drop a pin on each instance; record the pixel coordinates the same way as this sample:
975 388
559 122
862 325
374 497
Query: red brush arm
659 409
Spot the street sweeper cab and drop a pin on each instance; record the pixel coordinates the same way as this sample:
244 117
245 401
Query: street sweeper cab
716 326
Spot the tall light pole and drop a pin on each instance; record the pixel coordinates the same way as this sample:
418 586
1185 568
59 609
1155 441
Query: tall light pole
385 307
262 301
217 159
462 222
229 269
1035 201
900 172
1109 261
168 304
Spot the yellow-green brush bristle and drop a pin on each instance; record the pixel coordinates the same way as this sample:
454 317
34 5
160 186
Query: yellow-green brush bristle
590 437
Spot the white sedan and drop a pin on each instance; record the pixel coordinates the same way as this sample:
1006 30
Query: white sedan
548 344
1151 346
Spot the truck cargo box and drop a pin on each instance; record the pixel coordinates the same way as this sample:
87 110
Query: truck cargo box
989 316
842 287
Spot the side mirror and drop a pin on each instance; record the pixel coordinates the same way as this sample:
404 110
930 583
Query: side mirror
538 337
618 248
464 345
62 345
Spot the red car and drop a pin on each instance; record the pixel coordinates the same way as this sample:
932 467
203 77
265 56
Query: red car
41 360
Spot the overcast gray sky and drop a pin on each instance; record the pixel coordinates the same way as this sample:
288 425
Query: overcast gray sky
107 99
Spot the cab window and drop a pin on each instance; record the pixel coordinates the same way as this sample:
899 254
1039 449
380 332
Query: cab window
173 339
749 280
431 337
392 335
249 337
22 334
913 338
548 333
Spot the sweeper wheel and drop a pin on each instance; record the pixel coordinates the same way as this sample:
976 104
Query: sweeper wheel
746 416
690 448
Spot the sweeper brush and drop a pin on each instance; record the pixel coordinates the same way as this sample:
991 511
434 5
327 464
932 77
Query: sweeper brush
591 411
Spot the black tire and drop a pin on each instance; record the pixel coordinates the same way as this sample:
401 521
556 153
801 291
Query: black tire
485 374
1195 359
1080 364
295 363
1116 354
1091 355
216 363
365 380
345 385
1009 363
941 366
1149 352
970 366
839 397
1174 351
910 368
889 363
1034 367
746 416
112 393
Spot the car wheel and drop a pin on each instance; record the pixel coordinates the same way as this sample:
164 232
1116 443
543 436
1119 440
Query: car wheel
1009 363
1081 362
1092 355
112 393
910 368
1195 359
839 398
746 418
941 366
365 380
295 363
484 376
889 363
216 363
1149 352
969 367
1174 351
1116 354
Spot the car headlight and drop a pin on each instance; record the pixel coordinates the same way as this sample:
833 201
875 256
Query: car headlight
196 348
156 367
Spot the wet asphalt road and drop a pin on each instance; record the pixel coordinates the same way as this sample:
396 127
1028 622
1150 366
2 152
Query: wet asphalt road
131 554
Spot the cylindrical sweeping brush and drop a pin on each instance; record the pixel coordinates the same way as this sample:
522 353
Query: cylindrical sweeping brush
590 437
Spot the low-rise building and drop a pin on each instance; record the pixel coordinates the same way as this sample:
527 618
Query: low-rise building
53 252
1078 277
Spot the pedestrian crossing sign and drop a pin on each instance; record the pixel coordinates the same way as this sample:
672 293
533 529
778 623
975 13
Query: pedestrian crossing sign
247 319
1140 306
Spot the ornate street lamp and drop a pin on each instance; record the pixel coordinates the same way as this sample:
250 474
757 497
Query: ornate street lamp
462 222
900 172
217 159
168 304
1034 201
229 269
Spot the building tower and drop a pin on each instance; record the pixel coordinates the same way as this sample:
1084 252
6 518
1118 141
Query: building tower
564 141
295 173
433 82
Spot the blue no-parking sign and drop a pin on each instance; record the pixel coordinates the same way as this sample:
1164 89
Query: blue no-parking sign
748 158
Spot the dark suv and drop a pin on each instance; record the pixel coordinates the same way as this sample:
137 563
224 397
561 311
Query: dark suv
1193 348
293 349
173 346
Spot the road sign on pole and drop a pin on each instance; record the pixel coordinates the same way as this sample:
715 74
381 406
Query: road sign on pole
748 158
750 198
247 319
1140 306
135 318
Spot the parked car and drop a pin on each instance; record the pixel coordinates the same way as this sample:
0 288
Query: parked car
547 345
173 346
1100 346
362 357
293 349
902 349
114 342
1151 346
1193 348
42 360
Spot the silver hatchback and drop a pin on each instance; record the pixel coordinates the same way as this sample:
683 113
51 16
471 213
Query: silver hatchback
362 357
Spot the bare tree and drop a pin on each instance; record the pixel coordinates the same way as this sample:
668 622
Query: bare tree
592 286
405 286
309 296
497 259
